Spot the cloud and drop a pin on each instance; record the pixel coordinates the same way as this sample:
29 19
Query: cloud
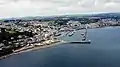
18 8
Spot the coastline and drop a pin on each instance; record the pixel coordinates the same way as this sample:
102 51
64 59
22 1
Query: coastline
33 49
55 42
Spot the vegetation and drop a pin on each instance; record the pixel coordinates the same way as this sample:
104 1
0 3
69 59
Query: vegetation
8 36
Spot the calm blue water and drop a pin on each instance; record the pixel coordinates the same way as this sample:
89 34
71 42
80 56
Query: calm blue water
104 51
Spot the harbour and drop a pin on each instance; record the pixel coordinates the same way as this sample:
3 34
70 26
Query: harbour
102 52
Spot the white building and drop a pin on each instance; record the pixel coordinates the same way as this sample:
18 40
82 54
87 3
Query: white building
74 24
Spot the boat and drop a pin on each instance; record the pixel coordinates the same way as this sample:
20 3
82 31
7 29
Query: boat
84 38
71 34
58 34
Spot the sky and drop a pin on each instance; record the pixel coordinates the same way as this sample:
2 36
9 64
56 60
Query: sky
21 8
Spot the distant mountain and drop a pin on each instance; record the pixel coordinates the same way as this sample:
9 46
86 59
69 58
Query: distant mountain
101 15
106 15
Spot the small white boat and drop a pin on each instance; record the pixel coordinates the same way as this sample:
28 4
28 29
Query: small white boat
71 33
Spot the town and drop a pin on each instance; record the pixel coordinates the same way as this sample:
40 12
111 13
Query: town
19 35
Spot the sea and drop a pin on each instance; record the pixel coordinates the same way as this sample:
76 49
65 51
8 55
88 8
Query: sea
104 51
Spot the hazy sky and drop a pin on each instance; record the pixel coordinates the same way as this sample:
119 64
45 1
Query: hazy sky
18 8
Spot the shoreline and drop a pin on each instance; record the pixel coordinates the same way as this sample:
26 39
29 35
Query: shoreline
33 49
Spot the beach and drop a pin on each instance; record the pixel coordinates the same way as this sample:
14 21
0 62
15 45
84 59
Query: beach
22 50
